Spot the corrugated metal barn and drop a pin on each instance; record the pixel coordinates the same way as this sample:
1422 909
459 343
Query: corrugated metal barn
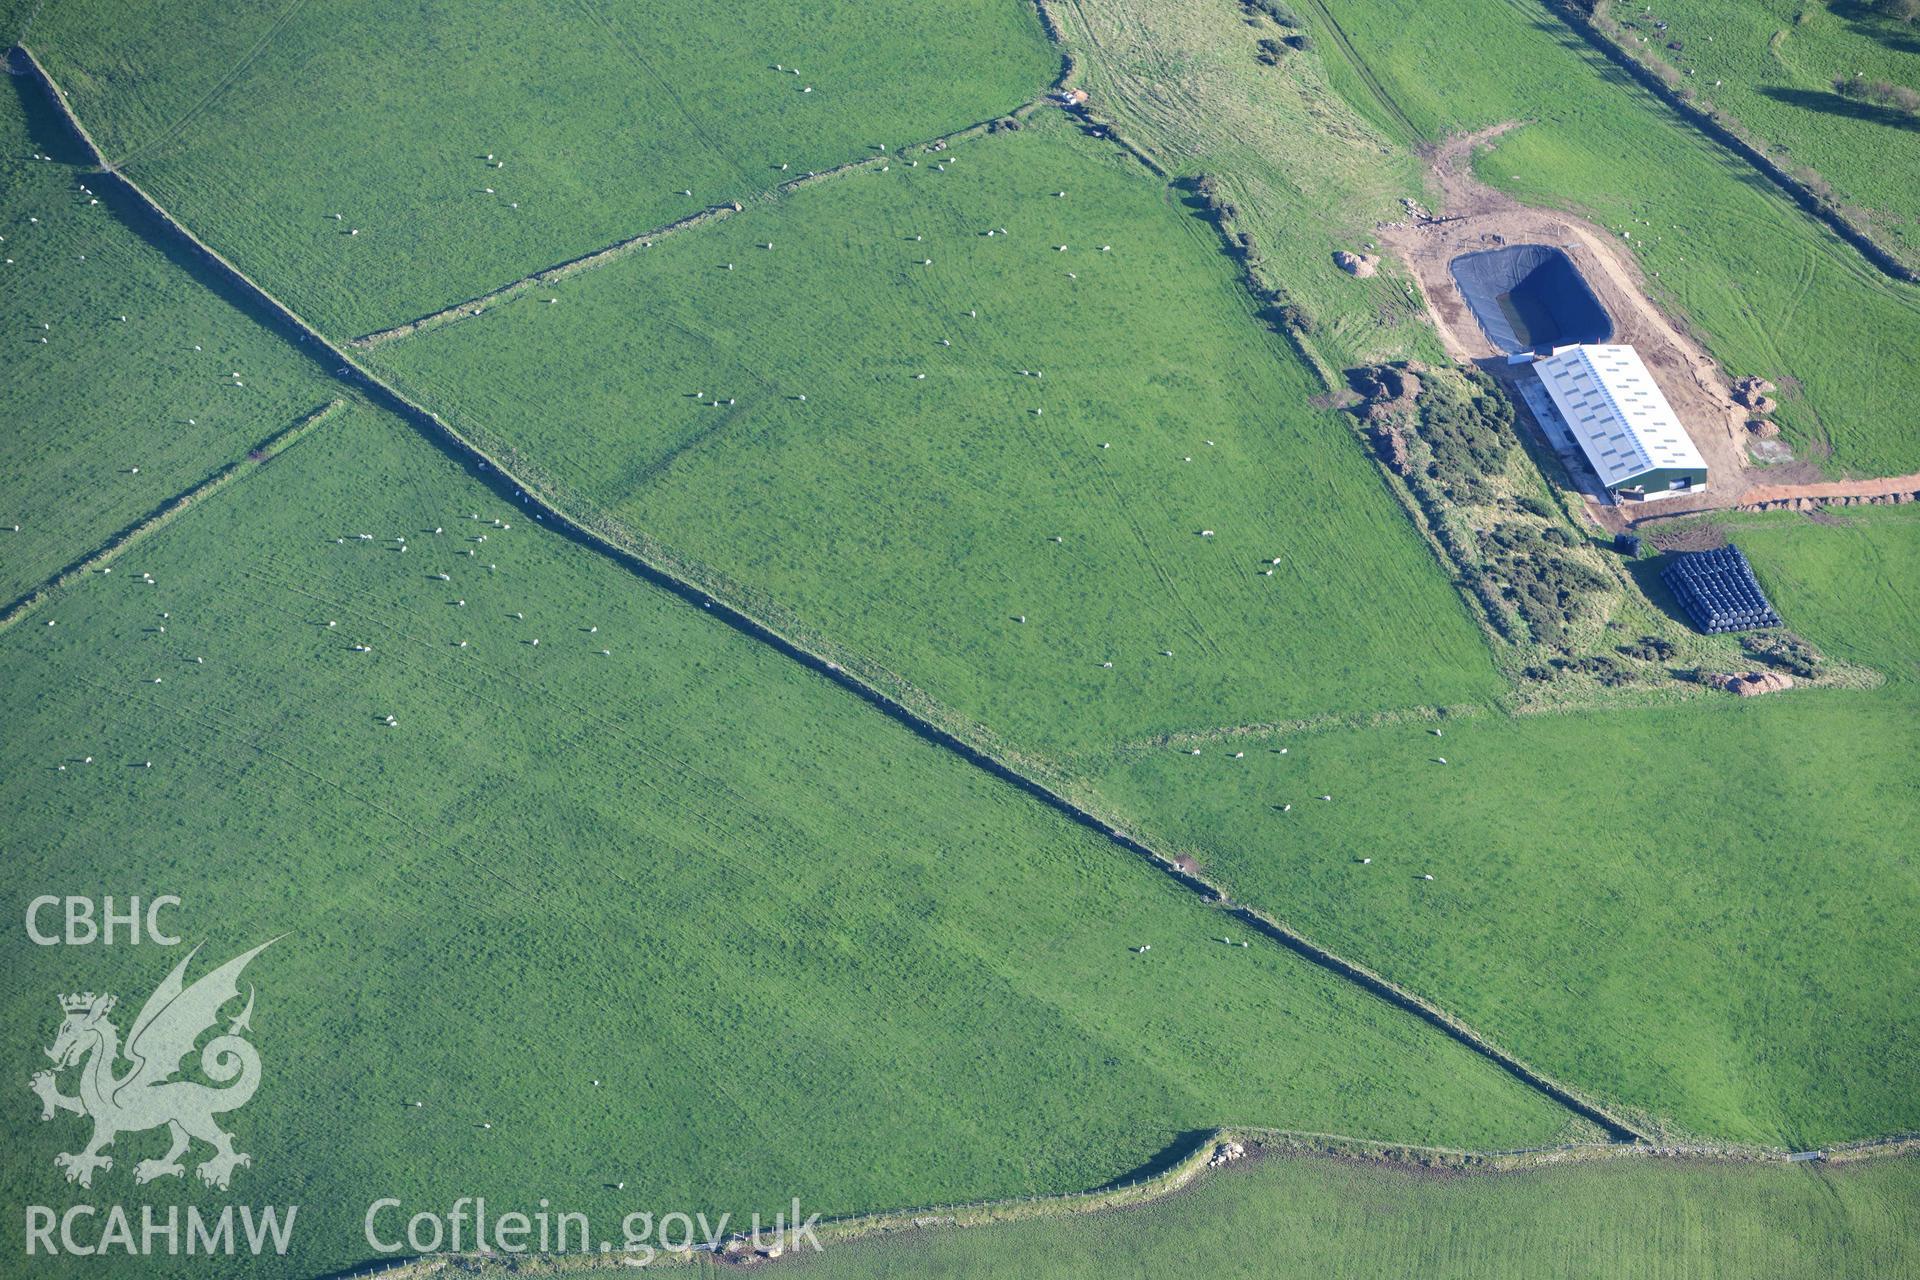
1622 422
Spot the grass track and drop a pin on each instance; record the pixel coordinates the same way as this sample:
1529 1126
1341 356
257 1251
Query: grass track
1308 173
696 448
1402 124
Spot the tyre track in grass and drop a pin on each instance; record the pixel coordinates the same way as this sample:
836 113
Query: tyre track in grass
625 42
233 729
1103 486
925 718
172 128
1352 57
595 725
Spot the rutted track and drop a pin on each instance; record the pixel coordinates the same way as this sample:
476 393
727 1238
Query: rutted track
172 128
490 472
1361 69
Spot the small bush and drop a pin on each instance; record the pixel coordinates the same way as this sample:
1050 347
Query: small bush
1648 649
1273 9
1546 587
1783 650
1296 319
1602 667
1894 97
1467 423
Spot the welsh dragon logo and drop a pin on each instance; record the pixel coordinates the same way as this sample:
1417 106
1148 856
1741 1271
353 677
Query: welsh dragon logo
148 1095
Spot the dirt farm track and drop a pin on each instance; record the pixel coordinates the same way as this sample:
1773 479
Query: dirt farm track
1475 217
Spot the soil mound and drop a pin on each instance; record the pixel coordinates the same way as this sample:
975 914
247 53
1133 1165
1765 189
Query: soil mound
1356 264
1751 684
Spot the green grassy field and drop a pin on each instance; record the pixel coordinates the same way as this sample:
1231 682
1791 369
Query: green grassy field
1771 65
1851 579
1307 174
1325 1219
1768 290
912 520
256 123
101 397
807 952
1690 910
13 18
629 898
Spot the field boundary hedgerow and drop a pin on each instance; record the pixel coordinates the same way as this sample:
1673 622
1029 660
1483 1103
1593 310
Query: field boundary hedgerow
1070 75
1209 1154
110 550
1717 128
490 472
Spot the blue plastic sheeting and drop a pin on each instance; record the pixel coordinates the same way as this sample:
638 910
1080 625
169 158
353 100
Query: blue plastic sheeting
1530 297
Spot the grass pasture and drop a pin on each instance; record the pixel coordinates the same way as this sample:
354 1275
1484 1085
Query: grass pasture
1767 289
1844 577
1339 1220
910 520
101 397
1771 65
1849 580
257 122
1306 173
805 951
584 896
1691 910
